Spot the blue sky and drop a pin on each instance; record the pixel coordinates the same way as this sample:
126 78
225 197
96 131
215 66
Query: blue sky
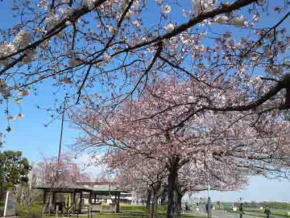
259 189
30 136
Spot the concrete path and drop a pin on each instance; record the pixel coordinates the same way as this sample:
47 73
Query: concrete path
223 214
9 217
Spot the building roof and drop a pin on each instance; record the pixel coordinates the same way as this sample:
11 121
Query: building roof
70 187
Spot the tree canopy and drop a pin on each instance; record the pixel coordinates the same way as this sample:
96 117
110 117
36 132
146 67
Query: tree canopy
14 170
195 84
213 148
114 48
66 171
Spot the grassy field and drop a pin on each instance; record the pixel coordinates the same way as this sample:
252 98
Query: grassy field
132 214
129 211
278 212
255 211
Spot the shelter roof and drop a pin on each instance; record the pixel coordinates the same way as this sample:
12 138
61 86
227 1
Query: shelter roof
105 189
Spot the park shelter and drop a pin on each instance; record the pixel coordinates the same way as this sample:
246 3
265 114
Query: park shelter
81 196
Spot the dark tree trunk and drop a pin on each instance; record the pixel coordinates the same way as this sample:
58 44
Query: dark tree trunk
148 200
164 195
1 192
179 198
118 204
155 196
154 206
174 196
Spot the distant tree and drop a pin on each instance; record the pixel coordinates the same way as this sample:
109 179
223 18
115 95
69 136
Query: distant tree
50 171
14 169
136 173
56 173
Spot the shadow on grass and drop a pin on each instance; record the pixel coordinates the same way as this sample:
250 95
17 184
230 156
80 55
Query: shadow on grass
131 211
130 214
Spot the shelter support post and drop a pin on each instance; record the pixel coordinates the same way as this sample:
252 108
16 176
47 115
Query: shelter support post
81 202
118 203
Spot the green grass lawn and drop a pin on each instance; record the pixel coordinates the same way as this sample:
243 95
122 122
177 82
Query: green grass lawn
278 212
280 209
130 211
254 211
131 214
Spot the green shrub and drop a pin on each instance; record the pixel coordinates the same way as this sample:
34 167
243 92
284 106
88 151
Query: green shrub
33 211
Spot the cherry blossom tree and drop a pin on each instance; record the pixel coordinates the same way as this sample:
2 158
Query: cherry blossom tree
54 173
117 47
145 177
49 171
226 146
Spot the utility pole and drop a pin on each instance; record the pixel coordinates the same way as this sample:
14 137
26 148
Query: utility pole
209 203
61 135
61 132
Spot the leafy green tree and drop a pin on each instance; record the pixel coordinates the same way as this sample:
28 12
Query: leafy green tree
14 169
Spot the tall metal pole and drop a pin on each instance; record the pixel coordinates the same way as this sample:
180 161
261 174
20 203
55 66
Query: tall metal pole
61 133
209 204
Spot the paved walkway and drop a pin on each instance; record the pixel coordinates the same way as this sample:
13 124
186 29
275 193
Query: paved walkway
9 216
223 214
